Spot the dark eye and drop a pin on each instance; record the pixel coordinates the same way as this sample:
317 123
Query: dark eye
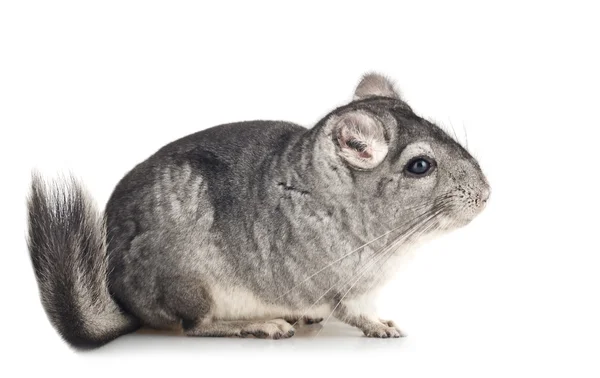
419 166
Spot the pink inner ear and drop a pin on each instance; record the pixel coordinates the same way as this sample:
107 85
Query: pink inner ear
366 154
344 139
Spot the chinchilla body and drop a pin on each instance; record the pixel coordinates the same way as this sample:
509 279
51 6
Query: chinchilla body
233 230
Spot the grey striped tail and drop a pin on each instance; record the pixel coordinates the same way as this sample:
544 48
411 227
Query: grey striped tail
67 246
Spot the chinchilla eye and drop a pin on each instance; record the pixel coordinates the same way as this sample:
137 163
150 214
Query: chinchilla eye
419 166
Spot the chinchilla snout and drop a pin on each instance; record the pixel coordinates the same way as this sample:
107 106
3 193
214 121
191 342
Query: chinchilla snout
473 198
485 193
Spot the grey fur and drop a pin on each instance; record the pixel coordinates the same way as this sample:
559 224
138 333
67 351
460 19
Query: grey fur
374 84
68 250
219 231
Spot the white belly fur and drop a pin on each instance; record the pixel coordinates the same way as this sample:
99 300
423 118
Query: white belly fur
237 303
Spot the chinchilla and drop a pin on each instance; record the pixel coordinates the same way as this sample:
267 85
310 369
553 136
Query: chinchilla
252 228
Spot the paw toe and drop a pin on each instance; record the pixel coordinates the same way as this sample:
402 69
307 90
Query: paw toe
383 332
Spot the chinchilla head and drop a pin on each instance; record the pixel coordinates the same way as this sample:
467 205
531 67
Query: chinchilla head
396 167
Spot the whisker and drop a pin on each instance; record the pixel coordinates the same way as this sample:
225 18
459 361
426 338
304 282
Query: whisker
453 131
339 302
337 260
388 253
426 229
368 262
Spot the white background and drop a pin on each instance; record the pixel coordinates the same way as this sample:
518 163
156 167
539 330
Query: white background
95 88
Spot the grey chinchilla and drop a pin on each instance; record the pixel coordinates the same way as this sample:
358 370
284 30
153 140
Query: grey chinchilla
250 228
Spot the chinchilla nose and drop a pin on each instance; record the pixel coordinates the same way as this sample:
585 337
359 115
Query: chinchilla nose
485 193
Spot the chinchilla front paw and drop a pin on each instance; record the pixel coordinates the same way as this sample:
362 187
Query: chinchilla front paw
382 329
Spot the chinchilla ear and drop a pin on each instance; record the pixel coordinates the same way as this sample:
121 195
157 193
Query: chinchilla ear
361 139
374 84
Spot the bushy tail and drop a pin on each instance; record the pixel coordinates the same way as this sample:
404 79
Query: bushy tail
67 245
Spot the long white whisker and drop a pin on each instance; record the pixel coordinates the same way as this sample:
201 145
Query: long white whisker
339 259
382 250
388 252
425 229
